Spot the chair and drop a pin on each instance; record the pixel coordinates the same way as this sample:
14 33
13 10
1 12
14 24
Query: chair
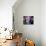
18 39
29 43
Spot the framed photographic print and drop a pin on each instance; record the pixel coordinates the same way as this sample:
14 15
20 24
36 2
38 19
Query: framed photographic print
28 20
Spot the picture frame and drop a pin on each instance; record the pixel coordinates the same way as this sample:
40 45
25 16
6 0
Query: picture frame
28 20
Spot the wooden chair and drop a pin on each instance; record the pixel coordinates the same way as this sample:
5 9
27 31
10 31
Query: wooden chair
29 43
18 39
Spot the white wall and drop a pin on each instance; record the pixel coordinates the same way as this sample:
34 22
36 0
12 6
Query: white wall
6 19
6 13
43 22
29 8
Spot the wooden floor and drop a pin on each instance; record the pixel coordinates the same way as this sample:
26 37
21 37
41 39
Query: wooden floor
16 41
9 43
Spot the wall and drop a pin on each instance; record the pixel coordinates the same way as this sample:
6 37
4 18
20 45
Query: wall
6 19
28 8
6 13
43 22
